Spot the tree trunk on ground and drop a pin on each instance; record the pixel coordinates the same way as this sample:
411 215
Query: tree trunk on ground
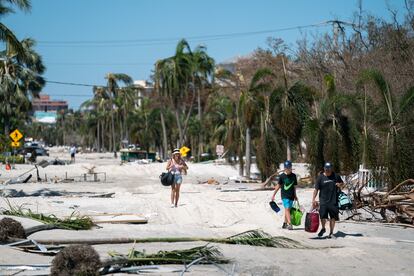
164 137
288 151
248 143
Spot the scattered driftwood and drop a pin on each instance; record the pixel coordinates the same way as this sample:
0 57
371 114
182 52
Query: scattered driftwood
394 206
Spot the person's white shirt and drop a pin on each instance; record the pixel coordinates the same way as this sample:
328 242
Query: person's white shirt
72 150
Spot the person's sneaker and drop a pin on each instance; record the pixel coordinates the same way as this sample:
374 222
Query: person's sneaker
331 236
284 226
290 227
320 234
172 205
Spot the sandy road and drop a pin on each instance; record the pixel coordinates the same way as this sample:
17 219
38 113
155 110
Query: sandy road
205 210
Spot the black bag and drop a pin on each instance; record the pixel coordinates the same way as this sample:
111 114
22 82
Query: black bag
167 178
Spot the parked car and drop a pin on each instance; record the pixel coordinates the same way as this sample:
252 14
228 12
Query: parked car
39 151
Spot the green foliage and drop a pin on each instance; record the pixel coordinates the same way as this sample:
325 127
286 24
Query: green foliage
73 222
208 254
331 133
15 159
269 153
394 125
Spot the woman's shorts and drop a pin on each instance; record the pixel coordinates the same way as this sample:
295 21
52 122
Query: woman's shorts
287 203
178 179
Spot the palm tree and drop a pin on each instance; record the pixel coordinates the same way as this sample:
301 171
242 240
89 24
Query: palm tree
331 132
125 100
113 81
20 78
202 72
227 125
160 99
13 45
251 104
395 120
97 112
174 77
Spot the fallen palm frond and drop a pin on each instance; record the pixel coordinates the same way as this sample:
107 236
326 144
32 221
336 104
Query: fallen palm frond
205 254
73 222
252 237
260 238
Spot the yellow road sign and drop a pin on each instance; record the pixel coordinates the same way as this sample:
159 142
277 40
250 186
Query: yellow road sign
15 144
184 150
16 135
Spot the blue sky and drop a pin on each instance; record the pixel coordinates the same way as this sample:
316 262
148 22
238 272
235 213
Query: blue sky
81 41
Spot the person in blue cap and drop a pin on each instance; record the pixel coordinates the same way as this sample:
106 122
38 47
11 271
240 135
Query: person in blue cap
287 183
328 185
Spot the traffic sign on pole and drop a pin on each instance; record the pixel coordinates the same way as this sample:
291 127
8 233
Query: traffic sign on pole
16 135
219 150
15 144
184 150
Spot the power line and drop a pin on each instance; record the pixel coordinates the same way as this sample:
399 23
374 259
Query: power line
70 95
74 84
165 41
98 64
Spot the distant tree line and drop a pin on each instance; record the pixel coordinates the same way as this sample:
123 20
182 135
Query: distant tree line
345 97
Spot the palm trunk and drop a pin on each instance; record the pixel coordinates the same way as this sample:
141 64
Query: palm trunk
112 131
200 145
248 142
164 136
180 130
288 151
126 125
98 144
103 136
241 163
364 152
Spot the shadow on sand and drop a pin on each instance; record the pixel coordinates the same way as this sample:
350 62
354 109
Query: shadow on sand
338 234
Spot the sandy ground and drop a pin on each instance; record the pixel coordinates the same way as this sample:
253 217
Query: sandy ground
207 211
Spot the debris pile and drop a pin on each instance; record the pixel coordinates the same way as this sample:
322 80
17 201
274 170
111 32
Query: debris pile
396 205
76 260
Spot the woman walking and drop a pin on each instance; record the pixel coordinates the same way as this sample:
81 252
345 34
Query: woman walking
177 167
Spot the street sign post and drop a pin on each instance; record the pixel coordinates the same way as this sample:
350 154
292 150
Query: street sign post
184 150
15 144
16 135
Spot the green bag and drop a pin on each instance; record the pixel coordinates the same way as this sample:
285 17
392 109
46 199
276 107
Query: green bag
296 214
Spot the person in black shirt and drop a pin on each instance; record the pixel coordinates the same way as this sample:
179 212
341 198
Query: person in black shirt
287 183
328 185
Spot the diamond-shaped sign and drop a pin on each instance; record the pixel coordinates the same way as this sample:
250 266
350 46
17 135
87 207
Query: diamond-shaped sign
16 135
15 144
184 150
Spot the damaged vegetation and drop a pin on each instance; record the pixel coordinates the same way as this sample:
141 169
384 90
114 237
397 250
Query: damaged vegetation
73 222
